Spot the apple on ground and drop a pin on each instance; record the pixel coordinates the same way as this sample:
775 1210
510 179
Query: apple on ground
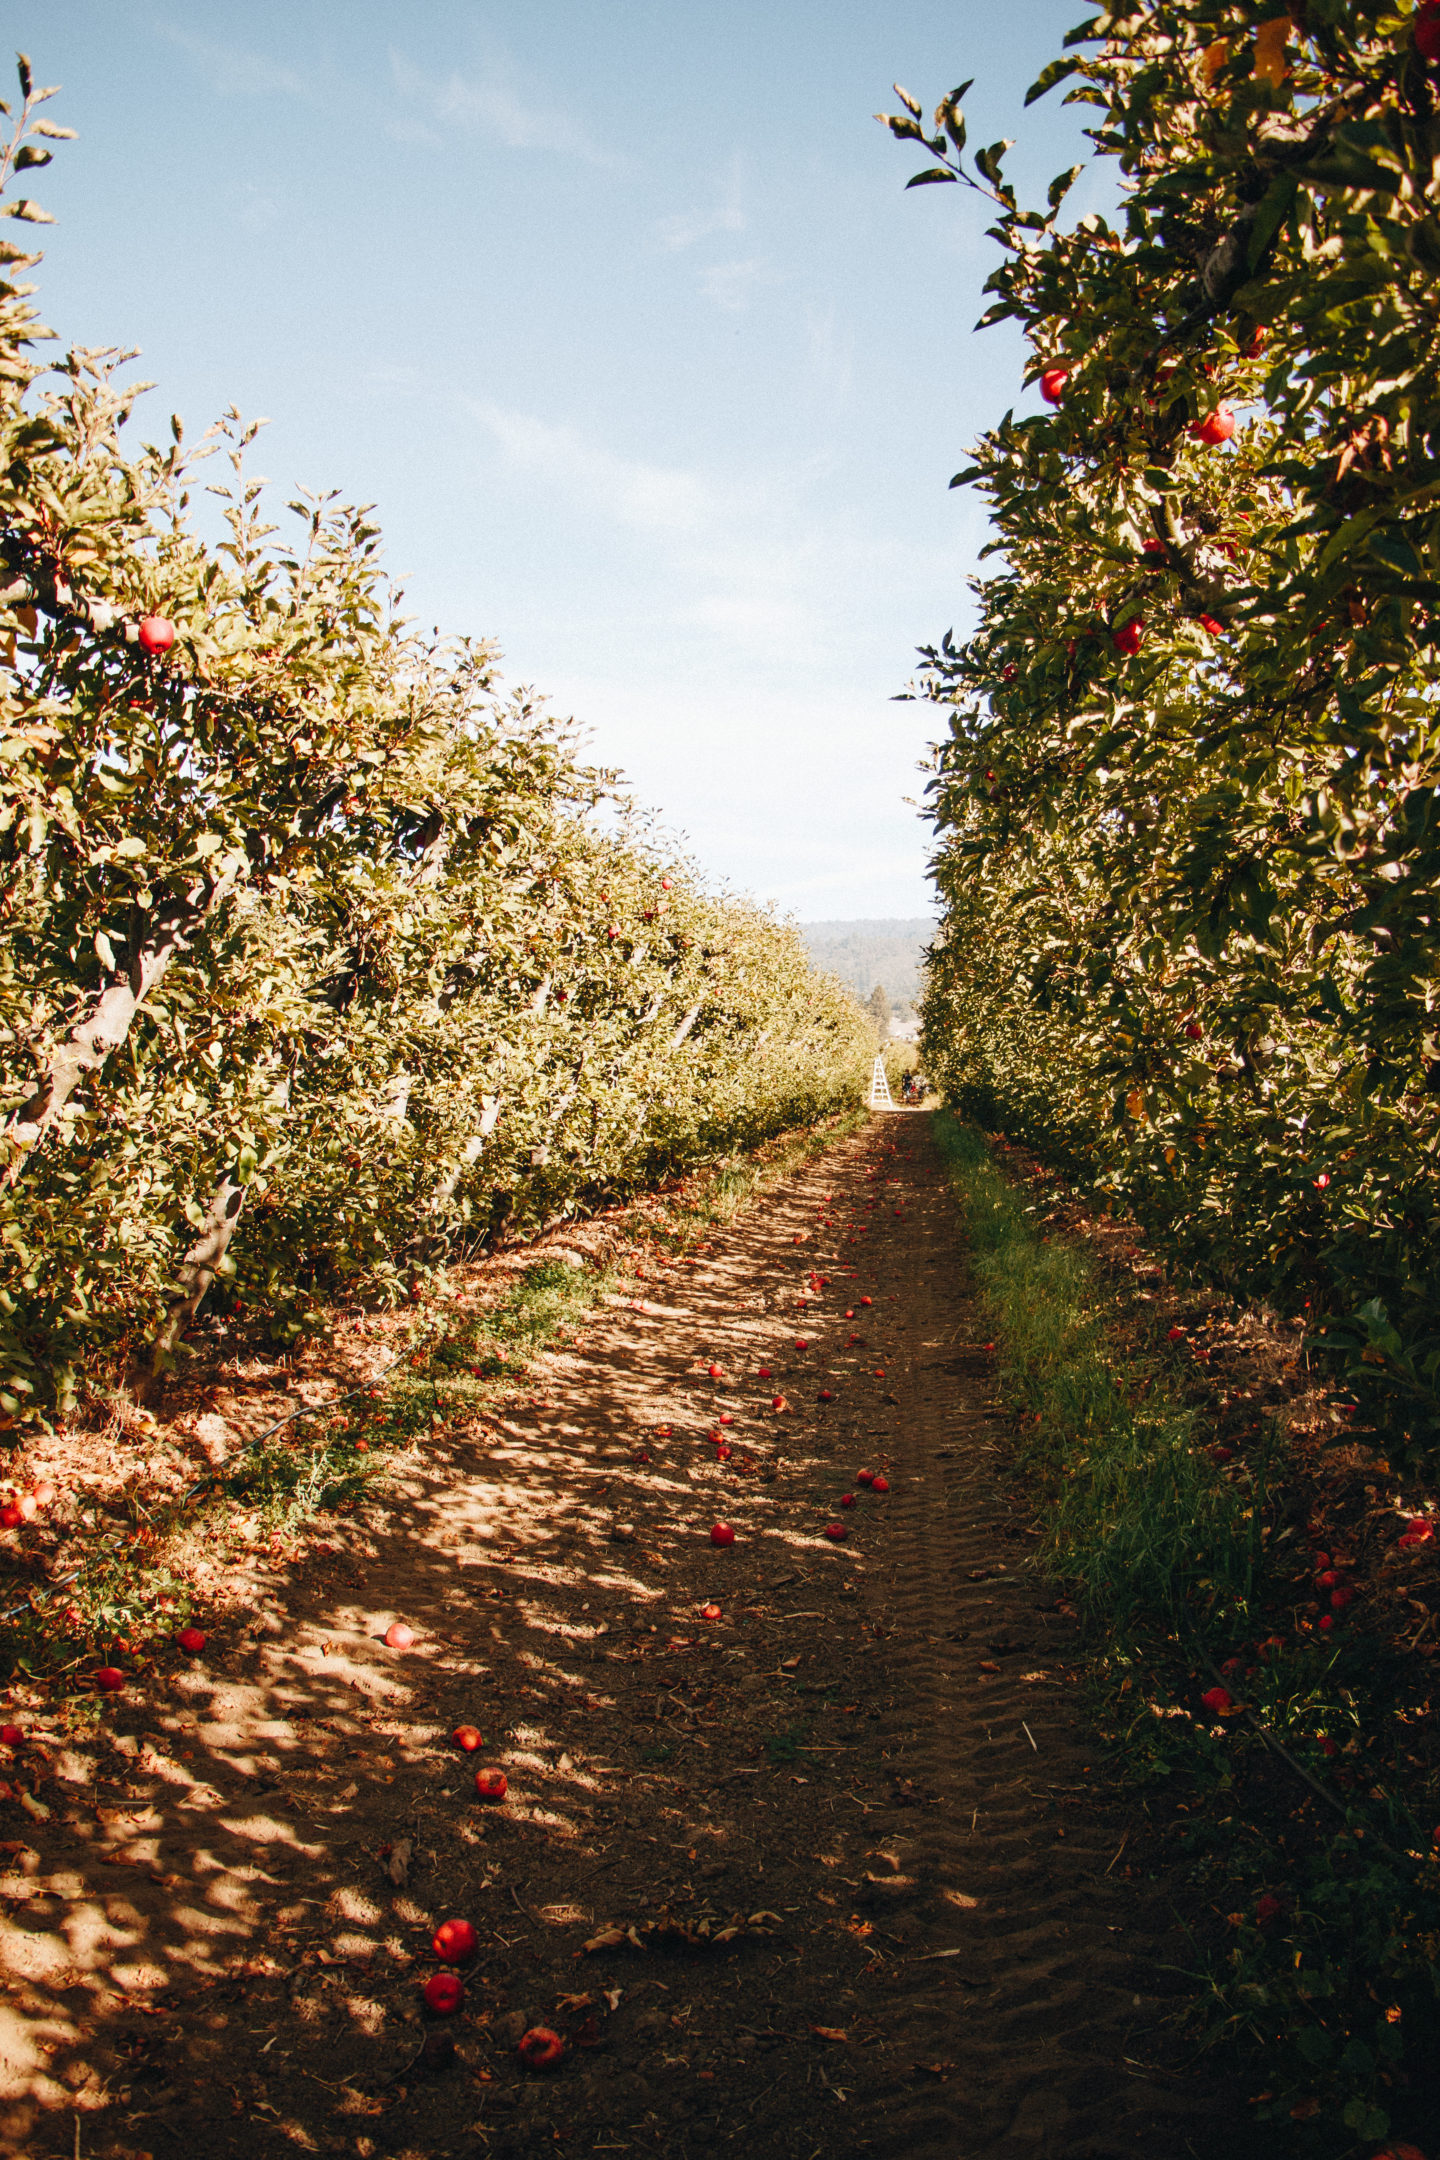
540 2048
398 1636
836 1531
444 1993
491 1785
191 1641
11 1735
456 1942
468 1738
879 1483
109 1679
721 1534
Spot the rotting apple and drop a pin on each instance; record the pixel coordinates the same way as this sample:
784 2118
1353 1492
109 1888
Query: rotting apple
491 1785
540 2048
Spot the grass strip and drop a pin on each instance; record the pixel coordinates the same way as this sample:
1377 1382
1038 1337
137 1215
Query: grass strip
1185 1574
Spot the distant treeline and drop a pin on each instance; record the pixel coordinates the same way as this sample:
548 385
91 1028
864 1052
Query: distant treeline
890 951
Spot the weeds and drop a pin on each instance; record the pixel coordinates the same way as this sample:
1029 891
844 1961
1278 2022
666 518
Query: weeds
1189 1575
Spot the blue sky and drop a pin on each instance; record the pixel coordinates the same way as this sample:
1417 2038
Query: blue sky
621 316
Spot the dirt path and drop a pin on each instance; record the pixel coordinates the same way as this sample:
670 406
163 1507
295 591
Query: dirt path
874 1744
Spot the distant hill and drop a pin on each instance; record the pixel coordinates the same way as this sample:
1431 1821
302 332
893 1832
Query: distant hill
864 953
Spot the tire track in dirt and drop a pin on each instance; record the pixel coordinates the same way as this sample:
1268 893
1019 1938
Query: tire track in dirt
205 1947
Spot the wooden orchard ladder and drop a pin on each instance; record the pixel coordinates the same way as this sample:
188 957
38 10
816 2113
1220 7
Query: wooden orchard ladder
880 1096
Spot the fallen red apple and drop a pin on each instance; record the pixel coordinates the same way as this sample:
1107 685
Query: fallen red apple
398 1636
540 2048
468 1738
710 1612
764 1373
156 634
27 1505
455 1942
109 1678
721 1534
1267 1908
191 1640
44 1492
879 1483
1176 1334
847 1499
825 1395
865 1477
491 1784
11 1736
1052 384
716 1373
10 1516
727 1417
850 1312
835 1530
1327 1622
800 1344
1219 1700
444 1993
867 1301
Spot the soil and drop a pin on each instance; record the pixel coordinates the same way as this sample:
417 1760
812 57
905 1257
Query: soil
873 1767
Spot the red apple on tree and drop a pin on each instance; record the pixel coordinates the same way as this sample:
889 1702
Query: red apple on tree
1216 427
1128 638
156 634
1052 384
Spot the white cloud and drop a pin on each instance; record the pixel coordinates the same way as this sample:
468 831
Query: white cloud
733 285
681 232
652 498
233 72
492 103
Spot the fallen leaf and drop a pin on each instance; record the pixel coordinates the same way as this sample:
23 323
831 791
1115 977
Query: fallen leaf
829 2032
397 1867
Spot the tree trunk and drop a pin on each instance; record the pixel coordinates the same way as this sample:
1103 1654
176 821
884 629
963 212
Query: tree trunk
201 1264
105 1027
685 1026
